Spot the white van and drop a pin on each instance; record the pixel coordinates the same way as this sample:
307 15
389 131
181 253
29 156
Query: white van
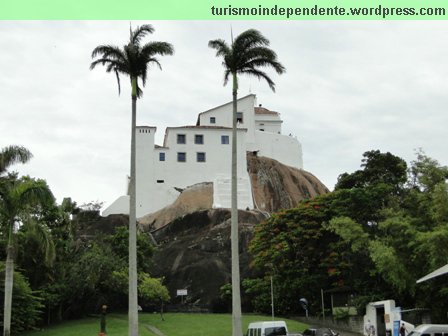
268 328
430 330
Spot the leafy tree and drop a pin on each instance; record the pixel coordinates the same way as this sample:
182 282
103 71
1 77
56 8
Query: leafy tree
426 173
378 167
377 233
152 291
247 54
294 247
132 60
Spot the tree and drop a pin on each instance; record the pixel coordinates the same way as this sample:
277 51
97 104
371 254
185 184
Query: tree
11 155
246 55
152 291
16 196
132 60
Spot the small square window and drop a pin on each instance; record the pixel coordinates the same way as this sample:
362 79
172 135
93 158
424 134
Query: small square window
181 157
199 139
200 157
224 139
212 120
161 156
181 139
239 117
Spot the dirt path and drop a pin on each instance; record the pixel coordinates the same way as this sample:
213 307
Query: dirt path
154 330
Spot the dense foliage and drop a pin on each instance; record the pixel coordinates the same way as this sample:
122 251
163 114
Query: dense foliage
67 264
382 228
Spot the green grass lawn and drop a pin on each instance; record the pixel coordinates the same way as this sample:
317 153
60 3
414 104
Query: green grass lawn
175 324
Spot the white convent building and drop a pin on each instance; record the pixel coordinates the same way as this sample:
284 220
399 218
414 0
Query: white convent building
202 153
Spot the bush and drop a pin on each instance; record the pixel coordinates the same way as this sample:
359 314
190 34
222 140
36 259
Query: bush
26 304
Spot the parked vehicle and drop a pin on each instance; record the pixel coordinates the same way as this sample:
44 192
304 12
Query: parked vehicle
320 332
267 328
430 330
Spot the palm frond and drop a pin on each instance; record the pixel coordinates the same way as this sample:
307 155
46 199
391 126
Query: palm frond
157 48
222 49
42 236
249 39
11 155
132 60
141 32
260 75
117 75
248 52
226 77
108 51
32 193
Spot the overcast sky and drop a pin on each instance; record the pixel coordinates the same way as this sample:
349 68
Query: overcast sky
350 87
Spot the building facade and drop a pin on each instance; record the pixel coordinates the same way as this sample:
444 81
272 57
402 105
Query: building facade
202 153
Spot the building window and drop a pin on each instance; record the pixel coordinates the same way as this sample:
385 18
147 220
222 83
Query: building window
160 181
262 129
224 139
181 139
181 157
161 156
239 117
200 157
212 120
199 139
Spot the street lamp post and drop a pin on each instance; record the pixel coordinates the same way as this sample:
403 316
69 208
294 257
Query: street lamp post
272 297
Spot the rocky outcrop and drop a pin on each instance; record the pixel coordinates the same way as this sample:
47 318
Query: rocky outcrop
195 198
193 239
194 253
274 187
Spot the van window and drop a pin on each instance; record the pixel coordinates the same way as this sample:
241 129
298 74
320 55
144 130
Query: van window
275 331
438 334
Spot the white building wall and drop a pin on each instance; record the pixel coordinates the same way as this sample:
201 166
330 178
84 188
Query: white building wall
283 148
157 180
268 123
145 137
223 115
176 174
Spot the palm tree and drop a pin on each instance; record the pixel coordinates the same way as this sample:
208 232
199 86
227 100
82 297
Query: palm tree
132 60
246 55
11 155
16 196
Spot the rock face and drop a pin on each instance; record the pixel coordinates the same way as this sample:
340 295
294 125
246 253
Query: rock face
194 240
194 253
274 187
195 198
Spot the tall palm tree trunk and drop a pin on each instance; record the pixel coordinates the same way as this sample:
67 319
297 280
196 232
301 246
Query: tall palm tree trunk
9 273
133 303
236 296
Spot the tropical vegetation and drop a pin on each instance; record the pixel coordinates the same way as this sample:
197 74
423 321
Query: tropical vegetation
382 228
